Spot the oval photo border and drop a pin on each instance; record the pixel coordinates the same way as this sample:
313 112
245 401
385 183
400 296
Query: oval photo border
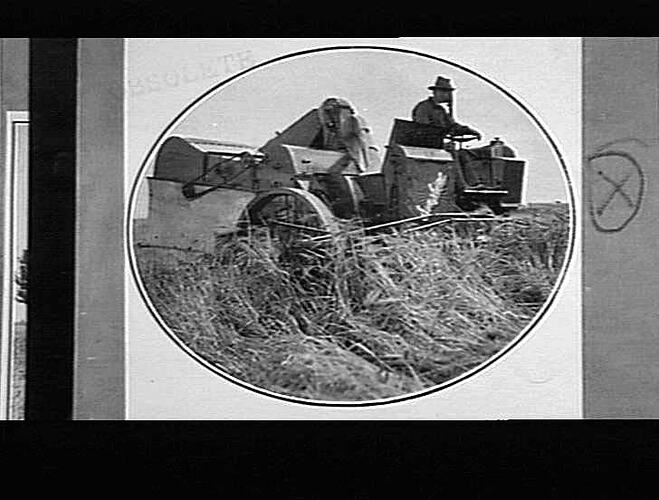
380 402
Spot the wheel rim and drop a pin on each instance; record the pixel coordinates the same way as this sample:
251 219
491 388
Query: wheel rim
288 215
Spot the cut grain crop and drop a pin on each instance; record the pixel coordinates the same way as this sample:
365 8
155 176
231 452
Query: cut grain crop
363 319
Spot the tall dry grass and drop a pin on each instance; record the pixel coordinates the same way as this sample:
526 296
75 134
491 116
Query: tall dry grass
363 318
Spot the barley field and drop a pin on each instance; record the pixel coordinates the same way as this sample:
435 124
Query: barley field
364 318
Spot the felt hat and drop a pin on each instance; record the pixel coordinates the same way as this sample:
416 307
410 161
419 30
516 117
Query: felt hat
441 83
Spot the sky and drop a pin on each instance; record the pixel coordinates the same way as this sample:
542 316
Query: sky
381 85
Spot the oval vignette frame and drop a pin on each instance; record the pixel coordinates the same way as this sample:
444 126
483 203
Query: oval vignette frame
380 402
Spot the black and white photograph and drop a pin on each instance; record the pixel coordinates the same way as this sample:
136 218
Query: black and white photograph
406 228
352 225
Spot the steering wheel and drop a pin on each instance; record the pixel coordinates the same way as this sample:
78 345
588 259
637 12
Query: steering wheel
464 137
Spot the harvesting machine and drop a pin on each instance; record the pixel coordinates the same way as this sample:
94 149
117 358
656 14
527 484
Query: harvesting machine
321 171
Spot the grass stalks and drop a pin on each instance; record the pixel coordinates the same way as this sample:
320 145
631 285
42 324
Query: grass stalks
366 318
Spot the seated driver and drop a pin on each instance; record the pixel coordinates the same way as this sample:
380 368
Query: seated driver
431 111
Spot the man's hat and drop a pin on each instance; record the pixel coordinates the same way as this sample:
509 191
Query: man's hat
441 83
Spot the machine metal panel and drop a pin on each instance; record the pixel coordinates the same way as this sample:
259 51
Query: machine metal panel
318 161
176 222
184 158
427 154
219 147
409 133
179 160
513 179
373 187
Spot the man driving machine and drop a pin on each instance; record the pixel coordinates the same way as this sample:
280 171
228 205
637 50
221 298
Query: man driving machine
431 111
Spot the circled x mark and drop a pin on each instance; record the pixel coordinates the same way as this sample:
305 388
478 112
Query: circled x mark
604 216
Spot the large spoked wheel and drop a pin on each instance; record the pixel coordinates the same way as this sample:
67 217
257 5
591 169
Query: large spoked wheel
286 216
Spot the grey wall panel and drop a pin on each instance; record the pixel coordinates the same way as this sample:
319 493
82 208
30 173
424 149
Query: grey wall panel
621 228
14 73
99 336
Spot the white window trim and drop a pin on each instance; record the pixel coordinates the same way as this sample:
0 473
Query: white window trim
9 267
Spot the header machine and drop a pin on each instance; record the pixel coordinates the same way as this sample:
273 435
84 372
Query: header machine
322 171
